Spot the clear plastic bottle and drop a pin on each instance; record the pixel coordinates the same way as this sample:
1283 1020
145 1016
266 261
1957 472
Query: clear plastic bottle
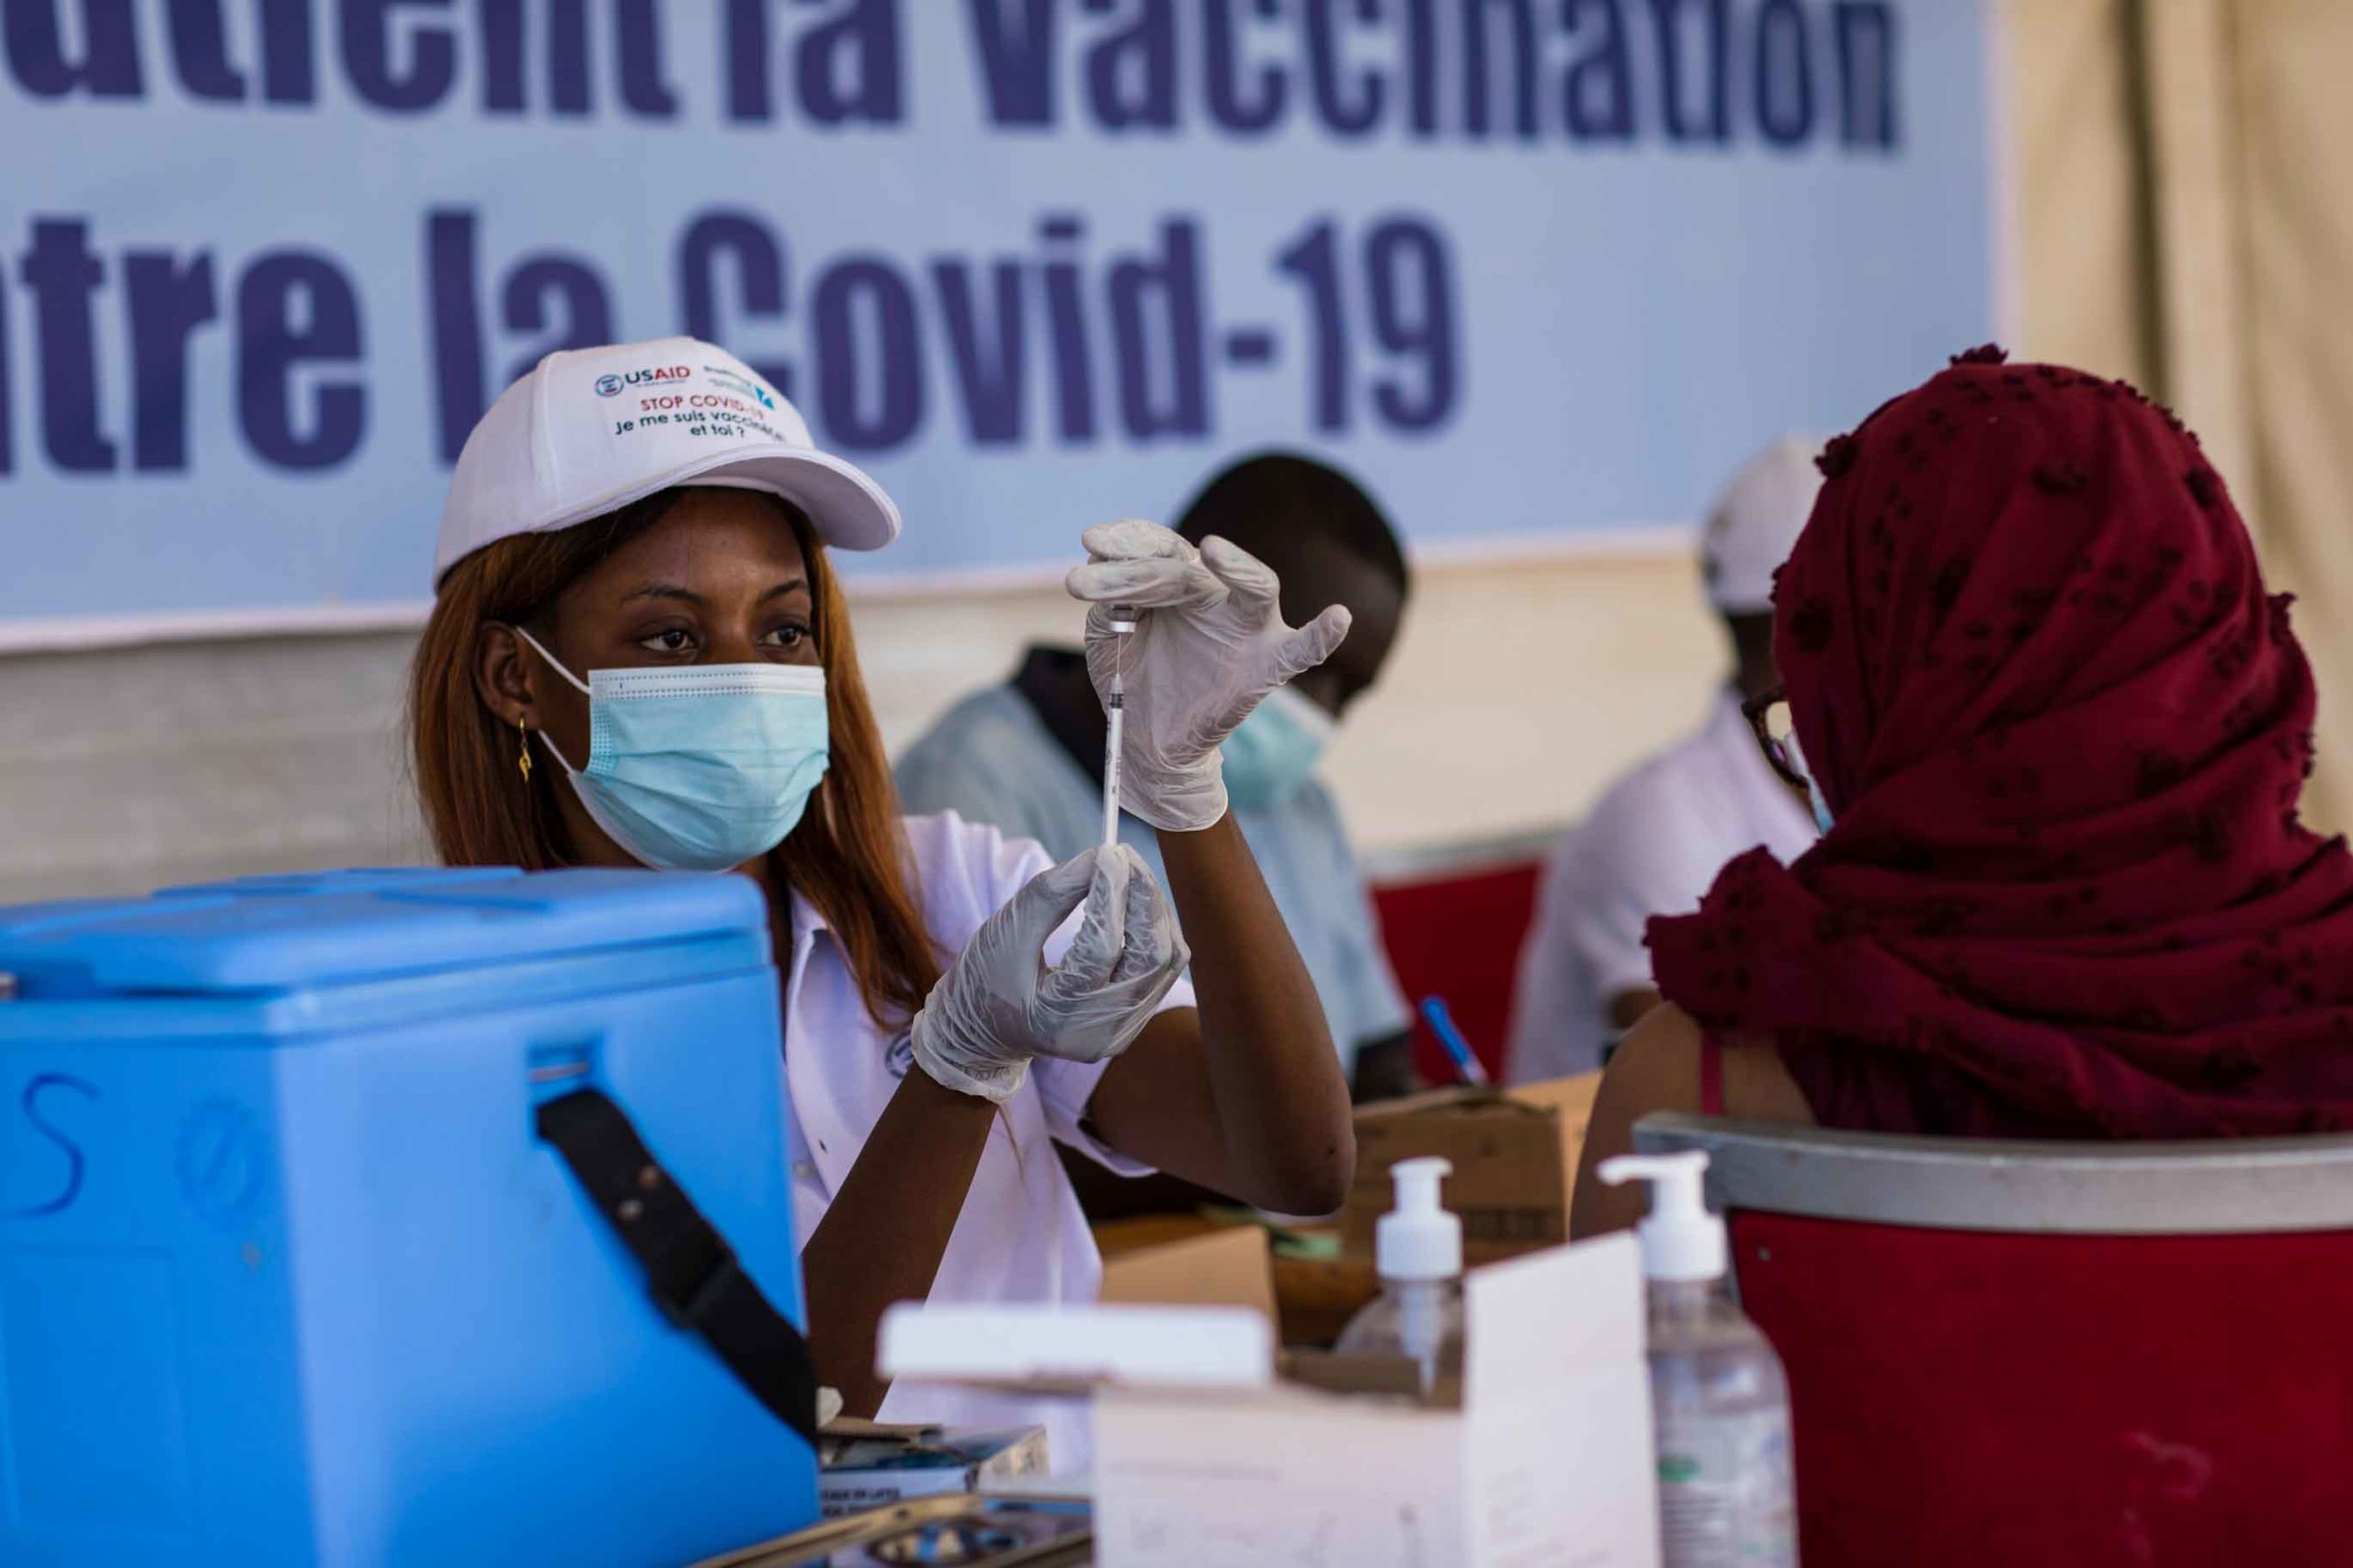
1727 1495
1418 1248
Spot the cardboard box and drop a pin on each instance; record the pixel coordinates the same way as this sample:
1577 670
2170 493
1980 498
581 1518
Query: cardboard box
1204 1455
868 1466
1311 1299
1048 1350
1515 1154
1547 1458
1226 1267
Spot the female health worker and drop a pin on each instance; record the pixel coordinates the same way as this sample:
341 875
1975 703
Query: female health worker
639 654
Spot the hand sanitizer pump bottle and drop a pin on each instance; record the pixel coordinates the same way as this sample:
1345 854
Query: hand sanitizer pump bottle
1721 1404
1417 1247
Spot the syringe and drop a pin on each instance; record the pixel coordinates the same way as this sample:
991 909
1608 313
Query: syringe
1115 707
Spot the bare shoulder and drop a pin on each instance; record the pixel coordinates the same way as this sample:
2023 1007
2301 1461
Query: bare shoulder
1656 1068
1660 1059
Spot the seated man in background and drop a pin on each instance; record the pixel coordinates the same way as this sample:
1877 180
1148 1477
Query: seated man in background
1655 840
1026 757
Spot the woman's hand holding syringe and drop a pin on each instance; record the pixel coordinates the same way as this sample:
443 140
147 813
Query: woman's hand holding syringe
1182 643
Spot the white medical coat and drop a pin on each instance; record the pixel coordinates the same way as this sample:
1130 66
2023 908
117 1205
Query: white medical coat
1021 1236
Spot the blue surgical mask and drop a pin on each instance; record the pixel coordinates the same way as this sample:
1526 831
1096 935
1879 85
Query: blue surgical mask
1272 753
699 767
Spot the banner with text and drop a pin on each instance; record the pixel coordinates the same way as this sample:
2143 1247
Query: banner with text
1527 267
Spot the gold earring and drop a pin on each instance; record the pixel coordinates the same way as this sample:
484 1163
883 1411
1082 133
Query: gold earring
523 757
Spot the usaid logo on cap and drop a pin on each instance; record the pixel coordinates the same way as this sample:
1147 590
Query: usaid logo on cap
610 386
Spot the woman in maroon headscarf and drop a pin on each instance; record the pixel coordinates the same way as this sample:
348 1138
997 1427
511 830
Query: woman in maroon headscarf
2060 732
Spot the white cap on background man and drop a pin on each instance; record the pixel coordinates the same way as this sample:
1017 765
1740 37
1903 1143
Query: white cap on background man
1756 522
590 430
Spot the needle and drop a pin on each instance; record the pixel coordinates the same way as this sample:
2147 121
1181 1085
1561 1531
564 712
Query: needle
1115 707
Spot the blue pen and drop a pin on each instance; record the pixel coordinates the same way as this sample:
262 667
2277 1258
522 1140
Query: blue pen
1441 1022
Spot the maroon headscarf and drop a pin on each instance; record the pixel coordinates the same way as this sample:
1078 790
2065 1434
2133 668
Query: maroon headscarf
2063 733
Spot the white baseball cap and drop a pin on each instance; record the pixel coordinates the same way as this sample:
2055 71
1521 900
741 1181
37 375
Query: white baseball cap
1756 522
593 429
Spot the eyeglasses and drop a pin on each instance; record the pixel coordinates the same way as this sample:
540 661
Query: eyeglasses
1769 717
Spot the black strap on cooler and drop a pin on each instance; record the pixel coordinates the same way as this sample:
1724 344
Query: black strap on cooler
690 1270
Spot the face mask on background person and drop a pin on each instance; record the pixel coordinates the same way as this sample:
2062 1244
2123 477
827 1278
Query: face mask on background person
699 767
1272 753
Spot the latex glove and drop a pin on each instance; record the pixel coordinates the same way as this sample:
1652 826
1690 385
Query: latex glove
998 1004
1210 642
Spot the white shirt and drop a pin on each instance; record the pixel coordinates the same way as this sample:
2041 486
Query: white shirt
1652 846
1021 1236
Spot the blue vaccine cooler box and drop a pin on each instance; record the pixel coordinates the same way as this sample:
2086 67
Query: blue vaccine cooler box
352 1220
